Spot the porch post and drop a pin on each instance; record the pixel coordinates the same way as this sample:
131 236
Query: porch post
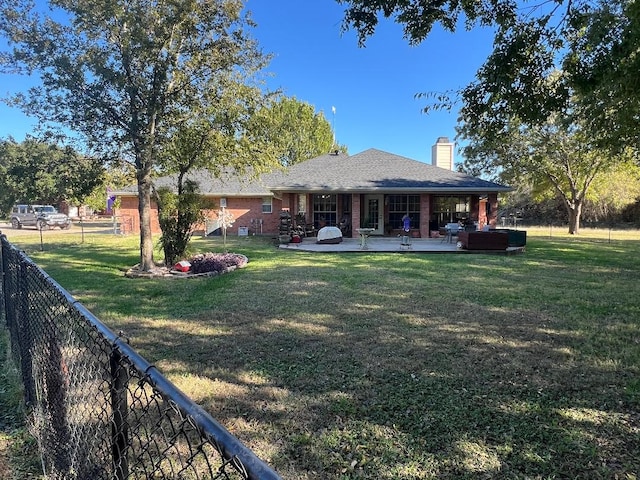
425 214
355 214
482 213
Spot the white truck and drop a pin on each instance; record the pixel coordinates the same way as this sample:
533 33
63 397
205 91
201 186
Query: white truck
42 217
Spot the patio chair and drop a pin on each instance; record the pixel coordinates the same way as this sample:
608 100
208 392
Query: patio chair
345 226
306 229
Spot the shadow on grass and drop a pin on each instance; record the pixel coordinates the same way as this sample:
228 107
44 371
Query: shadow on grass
411 366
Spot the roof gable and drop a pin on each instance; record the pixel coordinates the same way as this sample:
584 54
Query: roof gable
375 170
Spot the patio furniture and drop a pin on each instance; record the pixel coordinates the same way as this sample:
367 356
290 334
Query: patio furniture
517 238
364 235
345 226
491 240
329 235
451 230
303 228
405 242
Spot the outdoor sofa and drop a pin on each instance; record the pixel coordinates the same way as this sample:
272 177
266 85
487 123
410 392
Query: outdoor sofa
491 240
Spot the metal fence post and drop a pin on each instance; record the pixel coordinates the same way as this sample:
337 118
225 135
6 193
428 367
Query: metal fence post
119 406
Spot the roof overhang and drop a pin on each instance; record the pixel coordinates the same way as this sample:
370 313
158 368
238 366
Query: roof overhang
215 195
406 190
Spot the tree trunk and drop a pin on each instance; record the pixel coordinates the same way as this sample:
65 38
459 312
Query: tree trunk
574 218
144 210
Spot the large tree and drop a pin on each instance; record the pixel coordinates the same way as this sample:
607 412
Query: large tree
294 130
233 133
125 73
218 140
593 44
39 172
554 158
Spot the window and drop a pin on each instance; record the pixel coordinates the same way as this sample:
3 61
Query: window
267 205
448 209
401 205
325 210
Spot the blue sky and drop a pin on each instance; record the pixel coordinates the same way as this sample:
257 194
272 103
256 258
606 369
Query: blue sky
371 88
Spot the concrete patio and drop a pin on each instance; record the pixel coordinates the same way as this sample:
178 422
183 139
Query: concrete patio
388 244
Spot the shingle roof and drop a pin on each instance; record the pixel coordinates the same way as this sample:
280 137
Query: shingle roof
228 184
376 170
371 170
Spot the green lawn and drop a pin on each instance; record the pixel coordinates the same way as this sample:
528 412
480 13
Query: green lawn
19 459
394 366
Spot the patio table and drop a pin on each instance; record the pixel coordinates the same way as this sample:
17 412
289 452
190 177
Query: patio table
364 234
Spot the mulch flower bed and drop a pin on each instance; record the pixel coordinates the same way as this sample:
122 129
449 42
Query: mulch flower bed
201 265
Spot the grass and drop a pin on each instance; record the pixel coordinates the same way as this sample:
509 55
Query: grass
388 366
19 459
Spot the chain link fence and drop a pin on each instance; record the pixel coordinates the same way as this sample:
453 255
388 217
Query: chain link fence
100 410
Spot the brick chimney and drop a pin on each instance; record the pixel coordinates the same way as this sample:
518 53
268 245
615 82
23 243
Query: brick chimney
442 153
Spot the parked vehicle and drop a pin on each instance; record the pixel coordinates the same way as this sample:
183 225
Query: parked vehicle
42 217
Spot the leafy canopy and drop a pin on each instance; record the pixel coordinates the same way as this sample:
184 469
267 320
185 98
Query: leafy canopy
39 172
125 74
553 158
293 130
546 54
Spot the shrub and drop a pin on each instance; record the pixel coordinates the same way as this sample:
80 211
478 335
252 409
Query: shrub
177 214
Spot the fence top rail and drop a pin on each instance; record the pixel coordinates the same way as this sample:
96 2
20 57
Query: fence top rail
230 448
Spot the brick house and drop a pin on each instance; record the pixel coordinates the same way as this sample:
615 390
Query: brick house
372 189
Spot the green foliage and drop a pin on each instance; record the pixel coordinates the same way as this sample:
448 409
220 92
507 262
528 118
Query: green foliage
612 192
39 172
222 137
610 200
177 214
293 131
514 81
125 74
234 133
419 18
554 158
115 177
603 69
215 140
546 56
